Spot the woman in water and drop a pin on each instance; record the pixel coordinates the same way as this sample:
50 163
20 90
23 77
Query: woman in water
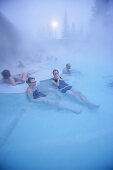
66 88
37 96
13 80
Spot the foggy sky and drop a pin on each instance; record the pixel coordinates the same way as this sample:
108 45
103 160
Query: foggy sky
30 15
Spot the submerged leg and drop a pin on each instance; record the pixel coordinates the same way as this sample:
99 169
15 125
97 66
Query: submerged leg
48 101
24 76
81 98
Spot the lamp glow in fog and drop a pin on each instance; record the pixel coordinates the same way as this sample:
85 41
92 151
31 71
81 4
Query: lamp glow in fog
54 24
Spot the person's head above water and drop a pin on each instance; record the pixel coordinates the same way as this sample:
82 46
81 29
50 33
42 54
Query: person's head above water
68 66
6 74
56 74
55 71
31 82
20 64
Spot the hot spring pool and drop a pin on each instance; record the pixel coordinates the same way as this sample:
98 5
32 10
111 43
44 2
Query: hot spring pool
35 136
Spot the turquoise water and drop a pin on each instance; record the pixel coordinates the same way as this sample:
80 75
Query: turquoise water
37 136
42 137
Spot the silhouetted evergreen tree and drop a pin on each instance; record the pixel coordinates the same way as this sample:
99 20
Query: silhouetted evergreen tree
9 38
101 24
102 11
73 31
66 30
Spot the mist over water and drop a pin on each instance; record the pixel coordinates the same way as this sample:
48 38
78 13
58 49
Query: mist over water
33 21
83 38
82 33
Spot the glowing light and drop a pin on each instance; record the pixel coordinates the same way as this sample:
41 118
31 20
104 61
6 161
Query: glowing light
54 24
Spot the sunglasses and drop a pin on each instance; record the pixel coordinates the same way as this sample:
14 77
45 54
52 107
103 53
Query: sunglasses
33 82
56 73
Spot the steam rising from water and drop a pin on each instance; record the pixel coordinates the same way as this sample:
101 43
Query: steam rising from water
84 38
34 39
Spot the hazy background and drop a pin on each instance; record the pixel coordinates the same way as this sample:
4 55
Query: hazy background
83 32
28 23
30 16
84 38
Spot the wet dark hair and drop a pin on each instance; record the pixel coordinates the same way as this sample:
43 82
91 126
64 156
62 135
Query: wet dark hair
68 65
29 80
6 74
55 70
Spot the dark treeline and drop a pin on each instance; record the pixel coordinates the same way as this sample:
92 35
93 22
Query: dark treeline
9 38
101 24
99 32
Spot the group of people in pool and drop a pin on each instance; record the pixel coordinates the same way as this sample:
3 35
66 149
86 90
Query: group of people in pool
36 95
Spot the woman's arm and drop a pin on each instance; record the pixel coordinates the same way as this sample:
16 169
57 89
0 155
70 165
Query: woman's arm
55 83
12 81
62 78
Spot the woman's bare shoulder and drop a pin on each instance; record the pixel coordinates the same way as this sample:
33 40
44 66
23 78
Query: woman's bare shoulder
29 90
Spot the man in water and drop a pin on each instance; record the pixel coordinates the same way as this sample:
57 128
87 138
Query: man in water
67 69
